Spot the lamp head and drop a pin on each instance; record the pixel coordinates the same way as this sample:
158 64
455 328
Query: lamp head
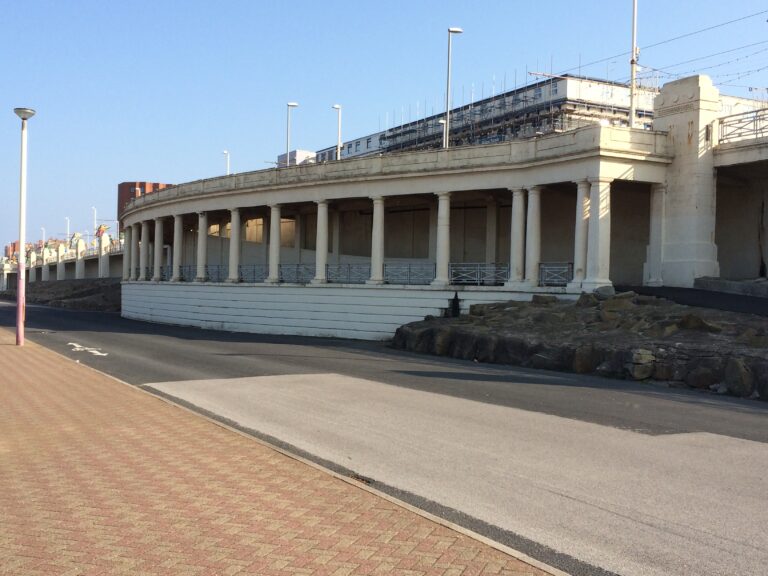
292 104
455 30
24 113
336 106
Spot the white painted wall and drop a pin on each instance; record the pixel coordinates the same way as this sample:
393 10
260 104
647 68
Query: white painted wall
742 214
358 312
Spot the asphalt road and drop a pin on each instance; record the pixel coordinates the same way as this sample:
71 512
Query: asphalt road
592 476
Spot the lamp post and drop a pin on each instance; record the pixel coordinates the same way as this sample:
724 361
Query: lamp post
67 219
337 107
25 114
226 155
94 218
288 134
447 127
42 229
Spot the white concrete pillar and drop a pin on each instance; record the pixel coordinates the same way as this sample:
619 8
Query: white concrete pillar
297 225
599 236
655 249
157 272
33 266
234 245
135 251
443 244
274 244
178 246
60 266
432 231
491 230
80 260
533 237
202 247
517 239
144 251
581 232
104 244
377 242
45 272
321 243
336 236
127 232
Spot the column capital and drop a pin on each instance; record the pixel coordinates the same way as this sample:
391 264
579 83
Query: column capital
274 205
517 190
659 186
159 218
234 210
600 180
319 202
377 198
535 188
443 194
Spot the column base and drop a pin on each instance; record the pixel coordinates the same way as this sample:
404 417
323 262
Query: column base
199 279
176 279
271 281
574 287
156 279
375 282
439 283
316 281
654 282
232 280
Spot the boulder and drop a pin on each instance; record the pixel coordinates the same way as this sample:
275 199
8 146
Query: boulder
701 377
738 378
639 365
696 322
543 299
604 292
587 300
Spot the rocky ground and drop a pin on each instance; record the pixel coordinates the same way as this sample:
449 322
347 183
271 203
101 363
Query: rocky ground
102 294
619 336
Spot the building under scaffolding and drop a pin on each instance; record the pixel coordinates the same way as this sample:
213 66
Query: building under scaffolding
550 105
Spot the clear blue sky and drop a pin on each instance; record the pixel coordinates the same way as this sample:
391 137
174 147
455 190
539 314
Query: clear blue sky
156 90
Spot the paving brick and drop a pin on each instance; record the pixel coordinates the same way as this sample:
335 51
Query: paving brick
98 478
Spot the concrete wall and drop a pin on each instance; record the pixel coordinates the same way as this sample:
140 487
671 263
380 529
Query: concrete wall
741 234
630 228
360 312
558 223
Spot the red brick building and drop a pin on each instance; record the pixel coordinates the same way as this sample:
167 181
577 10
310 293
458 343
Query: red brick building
128 190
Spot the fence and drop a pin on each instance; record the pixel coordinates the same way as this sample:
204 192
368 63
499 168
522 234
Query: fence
744 126
478 274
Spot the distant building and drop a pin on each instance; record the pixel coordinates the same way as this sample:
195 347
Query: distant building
129 190
297 157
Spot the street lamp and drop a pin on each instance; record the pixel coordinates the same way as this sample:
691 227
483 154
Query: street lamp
337 107
226 155
288 134
447 127
94 218
43 230
67 219
25 114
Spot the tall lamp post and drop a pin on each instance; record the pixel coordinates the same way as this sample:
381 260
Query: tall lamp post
94 219
447 127
42 229
337 107
67 219
25 114
288 134
226 155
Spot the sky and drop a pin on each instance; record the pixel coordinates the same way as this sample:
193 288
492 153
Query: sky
156 90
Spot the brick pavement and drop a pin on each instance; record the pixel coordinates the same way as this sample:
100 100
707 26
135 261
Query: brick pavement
97 477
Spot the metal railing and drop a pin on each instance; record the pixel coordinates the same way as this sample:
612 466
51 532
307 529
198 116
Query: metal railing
555 273
165 273
747 125
297 273
187 273
253 273
347 273
422 273
216 272
478 274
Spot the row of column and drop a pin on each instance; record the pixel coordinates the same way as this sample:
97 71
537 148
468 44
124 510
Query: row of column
591 258
136 258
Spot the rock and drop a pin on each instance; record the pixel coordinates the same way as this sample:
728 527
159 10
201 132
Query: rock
543 299
760 373
612 366
695 322
701 377
616 304
586 300
640 364
738 378
604 292
585 359
642 300
624 295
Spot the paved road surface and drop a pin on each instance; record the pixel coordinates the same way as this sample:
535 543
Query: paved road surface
589 475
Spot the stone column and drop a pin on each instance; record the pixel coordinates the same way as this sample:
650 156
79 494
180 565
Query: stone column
517 239
157 272
127 233
443 246
491 231
32 266
533 237
45 271
297 225
580 236
377 242
60 266
144 251
599 237
234 245
202 247
655 250
135 228
178 246
321 243
274 245
432 231
80 260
